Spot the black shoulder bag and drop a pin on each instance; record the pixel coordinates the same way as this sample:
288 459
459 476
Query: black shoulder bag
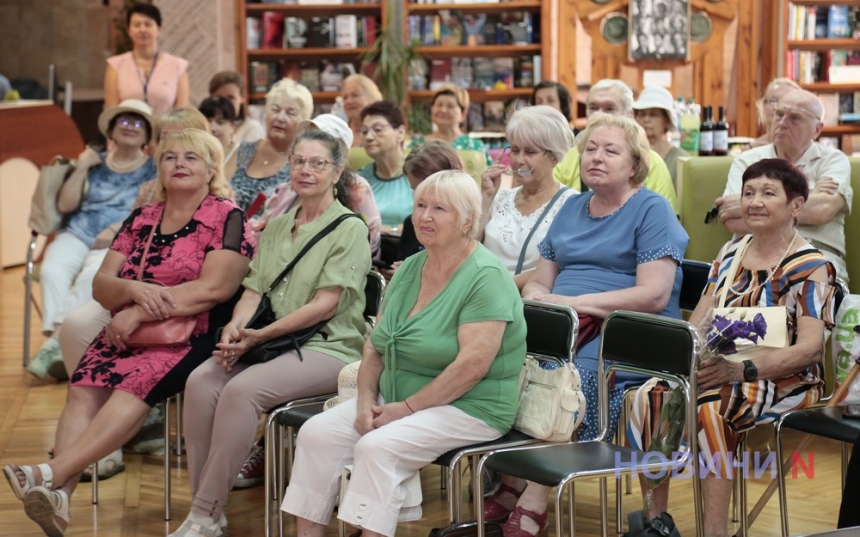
264 316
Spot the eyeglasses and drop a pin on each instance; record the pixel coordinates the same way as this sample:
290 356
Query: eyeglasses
130 122
377 128
317 164
794 114
770 103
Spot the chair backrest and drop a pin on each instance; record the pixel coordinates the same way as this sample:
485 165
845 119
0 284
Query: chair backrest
551 330
701 180
649 342
373 290
852 234
474 161
695 279
358 158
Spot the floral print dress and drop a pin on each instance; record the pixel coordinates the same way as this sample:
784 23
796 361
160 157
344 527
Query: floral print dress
156 373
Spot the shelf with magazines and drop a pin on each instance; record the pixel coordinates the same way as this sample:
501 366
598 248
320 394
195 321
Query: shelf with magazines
497 50
316 43
821 52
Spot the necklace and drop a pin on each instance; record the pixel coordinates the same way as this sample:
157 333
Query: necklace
279 153
770 272
128 166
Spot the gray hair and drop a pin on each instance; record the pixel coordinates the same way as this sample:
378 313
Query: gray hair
624 89
340 158
458 189
287 88
543 126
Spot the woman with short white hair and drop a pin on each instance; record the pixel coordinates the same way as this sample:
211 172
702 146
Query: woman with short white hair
516 220
264 164
439 371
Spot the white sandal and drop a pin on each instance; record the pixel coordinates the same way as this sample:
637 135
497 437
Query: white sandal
29 479
49 509
193 529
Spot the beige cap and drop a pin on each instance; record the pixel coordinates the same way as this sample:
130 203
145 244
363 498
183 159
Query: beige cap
134 106
330 124
657 97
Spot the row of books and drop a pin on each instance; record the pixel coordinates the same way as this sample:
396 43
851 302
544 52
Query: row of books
480 73
834 66
823 22
312 2
323 76
454 28
459 1
274 30
841 108
491 116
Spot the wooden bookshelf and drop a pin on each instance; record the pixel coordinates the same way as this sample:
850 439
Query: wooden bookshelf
840 130
825 3
269 54
823 44
439 52
315 10
498 7
827 87
479 95
320 97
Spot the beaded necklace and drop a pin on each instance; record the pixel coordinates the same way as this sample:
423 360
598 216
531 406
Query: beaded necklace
771 272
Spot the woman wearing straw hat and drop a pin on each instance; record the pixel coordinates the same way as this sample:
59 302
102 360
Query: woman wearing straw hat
654 111
97 197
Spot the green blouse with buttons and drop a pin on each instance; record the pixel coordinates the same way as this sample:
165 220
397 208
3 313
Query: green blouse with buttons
417 349
340 259
464 142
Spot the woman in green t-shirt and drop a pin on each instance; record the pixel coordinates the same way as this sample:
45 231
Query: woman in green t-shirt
440 371
224 398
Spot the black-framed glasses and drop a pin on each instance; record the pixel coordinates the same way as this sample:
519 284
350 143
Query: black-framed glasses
317 164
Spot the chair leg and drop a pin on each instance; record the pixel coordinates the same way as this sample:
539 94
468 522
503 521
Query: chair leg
780 476
619 521
95 470
28 300
571 508
167 459
443 479
179 448
271 471
735 493
284 464
844 463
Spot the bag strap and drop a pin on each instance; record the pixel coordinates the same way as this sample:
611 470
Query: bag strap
733 270
315 239
148 244
534 228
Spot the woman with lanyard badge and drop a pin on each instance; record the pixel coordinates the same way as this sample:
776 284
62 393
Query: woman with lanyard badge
157 78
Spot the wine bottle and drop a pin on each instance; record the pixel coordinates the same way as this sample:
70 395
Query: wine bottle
721 134
706 134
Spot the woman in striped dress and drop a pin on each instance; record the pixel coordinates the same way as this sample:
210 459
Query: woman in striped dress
777 267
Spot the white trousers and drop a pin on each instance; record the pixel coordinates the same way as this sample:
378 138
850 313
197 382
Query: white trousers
66 277
80 328
382 461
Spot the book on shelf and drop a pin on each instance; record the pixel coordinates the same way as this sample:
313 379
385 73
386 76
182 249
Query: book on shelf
837 22
473 29
418 73
461 72
503 73
346 31
295 33
849 119
320 32
253 33
483 73
450 29
831 107
475 117
310 77
494 116
440 73
273 30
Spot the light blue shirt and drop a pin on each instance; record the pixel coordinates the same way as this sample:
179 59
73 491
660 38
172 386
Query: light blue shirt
393 196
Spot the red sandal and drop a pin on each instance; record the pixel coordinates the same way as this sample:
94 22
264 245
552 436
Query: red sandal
493 510
512 527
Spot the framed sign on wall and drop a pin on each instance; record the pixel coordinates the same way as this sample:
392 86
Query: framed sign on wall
659 30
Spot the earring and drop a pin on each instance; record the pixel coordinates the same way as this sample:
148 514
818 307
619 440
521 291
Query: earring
334 190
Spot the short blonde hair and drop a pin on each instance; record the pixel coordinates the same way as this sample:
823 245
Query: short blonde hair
459 190
366 84
287 88
206 147
544 127
634 134
186 117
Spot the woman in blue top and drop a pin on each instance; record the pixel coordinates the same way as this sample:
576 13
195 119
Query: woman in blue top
383 130
97 198
617 247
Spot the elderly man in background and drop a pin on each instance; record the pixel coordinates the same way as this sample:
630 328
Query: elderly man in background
797 122
615 97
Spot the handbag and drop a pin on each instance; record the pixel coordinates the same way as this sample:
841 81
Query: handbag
534 228
44 217
589 328
170 332
467 529
265 315
551 401
777 334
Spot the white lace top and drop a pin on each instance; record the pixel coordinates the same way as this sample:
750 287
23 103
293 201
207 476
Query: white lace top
508 228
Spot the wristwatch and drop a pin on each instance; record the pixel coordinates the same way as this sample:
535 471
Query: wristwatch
750 371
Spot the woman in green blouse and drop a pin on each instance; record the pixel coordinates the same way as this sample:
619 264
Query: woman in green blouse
440 371
225 398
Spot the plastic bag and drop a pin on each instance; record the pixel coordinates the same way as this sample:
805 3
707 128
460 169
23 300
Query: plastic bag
845 346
